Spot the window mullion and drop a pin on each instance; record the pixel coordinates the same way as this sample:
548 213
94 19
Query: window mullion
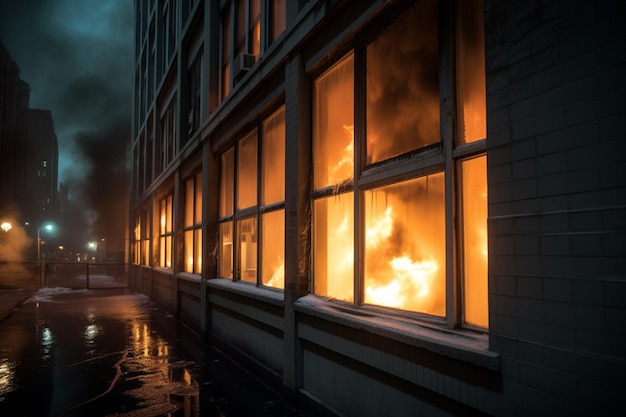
359 144
446 102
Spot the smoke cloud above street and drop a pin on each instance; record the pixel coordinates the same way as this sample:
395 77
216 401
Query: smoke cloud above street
77 58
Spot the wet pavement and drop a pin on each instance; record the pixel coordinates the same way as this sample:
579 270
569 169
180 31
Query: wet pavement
115 353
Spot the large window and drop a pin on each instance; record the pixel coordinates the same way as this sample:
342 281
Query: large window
166 144
195 89
146 236
141 239
165 232
252 220
387 193
169 32
136 242
193 225
248 28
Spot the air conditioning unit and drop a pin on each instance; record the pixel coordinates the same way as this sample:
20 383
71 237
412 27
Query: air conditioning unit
241 64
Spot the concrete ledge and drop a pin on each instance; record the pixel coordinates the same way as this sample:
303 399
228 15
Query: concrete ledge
458 344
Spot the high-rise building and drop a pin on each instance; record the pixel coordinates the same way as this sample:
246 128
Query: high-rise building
28 155
14 107
390 207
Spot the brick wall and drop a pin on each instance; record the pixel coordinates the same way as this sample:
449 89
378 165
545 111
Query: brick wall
557 204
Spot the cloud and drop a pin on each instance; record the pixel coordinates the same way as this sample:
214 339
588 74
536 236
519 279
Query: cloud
77 57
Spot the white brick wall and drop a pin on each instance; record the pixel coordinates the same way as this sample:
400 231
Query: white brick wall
557 204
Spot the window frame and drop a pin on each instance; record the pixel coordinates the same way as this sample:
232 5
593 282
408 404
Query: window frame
193 226
231 46
166 232
232 217
444 156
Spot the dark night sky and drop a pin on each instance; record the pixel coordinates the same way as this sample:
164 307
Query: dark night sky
76 56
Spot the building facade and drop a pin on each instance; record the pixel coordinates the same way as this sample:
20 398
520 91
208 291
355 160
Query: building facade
390 207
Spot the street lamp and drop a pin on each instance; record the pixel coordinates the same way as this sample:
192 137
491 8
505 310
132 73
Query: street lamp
5 226
47 227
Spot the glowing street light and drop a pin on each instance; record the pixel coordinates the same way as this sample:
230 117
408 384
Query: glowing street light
47 227
6 226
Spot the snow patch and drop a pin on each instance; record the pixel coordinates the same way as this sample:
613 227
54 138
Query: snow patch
46 295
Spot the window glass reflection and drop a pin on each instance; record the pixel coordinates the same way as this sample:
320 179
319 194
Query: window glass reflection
273 249
474 211
333 128
333 247
403 86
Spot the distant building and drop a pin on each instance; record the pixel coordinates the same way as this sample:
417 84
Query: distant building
14 107
42 175
28 154
390 207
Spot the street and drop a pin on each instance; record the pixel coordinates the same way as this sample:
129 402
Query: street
115 353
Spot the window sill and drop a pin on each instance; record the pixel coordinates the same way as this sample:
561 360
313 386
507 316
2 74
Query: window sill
458 344
266 295
187 276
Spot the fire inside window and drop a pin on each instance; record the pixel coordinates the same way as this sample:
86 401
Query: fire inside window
165 232
390 232
251 219
193 224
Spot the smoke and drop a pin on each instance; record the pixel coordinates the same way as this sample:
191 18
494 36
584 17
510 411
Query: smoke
13 246
99 186
403 86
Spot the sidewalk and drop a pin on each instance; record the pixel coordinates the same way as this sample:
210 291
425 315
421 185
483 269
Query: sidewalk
10 299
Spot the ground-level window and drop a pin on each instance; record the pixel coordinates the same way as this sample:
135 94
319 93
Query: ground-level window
136 243
145 238
193 225
165 232
252 205
141 239
388 197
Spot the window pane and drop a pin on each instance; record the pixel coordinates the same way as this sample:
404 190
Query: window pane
226 250
197 217
189 202
240 40
163 217
471 66
255 28
273 164
405 245
247 172
279 18
168 215
333 247
273 249
197 249
162 251
145 254
188 251
474 211
168 251
403 86
247 249
226 51
255 40
227 183
333 125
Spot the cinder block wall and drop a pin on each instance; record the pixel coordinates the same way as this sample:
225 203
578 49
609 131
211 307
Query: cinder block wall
556 142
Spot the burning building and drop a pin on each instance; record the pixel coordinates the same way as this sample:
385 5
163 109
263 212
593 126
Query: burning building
389 207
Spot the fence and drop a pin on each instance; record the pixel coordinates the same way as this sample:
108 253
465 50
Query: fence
84 275
75 275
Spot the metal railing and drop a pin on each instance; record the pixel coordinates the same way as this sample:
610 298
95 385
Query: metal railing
75 275
84 275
